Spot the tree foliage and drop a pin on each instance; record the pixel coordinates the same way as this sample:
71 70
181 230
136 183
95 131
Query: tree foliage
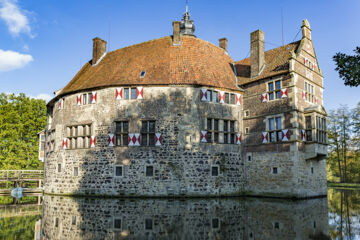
21 118
344 144
348 67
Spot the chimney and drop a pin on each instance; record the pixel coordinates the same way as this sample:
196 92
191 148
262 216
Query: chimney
306 30
99 49
257 52
176 34
223 43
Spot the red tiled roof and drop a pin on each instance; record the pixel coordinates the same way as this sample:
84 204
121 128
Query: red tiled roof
276 60
194 62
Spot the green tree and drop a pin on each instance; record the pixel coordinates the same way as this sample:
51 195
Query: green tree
21 118
348 67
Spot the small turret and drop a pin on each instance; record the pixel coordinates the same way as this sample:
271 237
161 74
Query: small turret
187 26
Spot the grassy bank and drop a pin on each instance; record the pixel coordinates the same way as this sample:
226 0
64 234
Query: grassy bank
344 185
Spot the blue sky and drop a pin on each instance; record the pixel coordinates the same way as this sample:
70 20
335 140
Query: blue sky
43 43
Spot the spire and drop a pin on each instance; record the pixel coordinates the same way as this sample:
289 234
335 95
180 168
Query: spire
187 26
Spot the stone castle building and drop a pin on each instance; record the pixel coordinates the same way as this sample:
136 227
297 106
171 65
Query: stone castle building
177 116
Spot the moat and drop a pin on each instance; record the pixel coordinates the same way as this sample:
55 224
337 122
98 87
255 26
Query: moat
335 217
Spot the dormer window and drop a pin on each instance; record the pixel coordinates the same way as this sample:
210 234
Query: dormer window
142 74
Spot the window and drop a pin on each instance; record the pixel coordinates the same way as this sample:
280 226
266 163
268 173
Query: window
249 158
215 171
142 74
118 171
50 141
73 220
216 128
215 223
275 126
148 224
84 99
309 89
76 171
59 167
229 132
247 113
275 170
148 133
232 98
79 136
133 93
149 171
56 222
274 90
215 96
126 93
121 132
117 223
316 129
276 225
227 100
246 130
312 170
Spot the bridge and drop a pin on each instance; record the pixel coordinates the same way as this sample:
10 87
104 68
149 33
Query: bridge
18 177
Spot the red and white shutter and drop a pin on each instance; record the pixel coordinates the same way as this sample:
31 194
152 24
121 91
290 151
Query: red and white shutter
92 141
111 140
265 137
238 138
119 93
284 93
303 135
78 99
221 97
203 136
134 139
139 93
158 139
285 135
304 94
316 100
264 97
203 95
238 99
65 143
94 97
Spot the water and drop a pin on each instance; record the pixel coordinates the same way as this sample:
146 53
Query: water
335 217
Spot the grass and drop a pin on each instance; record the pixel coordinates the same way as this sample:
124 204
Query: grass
344 185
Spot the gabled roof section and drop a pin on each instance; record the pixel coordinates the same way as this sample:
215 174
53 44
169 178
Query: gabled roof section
276 60
194 62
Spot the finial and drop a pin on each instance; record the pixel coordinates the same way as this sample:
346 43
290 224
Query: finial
187 7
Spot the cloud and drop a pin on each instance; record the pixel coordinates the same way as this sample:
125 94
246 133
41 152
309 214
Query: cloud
44 96
15 19
10 60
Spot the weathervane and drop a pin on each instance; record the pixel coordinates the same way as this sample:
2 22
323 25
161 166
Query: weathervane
187 26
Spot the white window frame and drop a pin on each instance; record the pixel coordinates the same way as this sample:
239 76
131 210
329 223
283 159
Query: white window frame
275 89
267 127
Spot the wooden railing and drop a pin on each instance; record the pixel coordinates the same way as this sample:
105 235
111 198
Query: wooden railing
21 175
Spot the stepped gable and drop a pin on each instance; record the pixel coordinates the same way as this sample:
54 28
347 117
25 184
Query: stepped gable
194 62
277 62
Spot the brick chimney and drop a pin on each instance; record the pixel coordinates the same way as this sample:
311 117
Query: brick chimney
223 43
257 52
306 30
99 49
176 33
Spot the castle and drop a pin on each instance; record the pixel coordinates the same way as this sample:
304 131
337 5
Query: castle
177 116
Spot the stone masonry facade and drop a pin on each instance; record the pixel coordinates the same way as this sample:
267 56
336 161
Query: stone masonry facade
218 128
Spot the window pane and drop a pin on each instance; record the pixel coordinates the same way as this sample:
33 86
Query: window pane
209 127
215 96
305 86
232 138
118 171
209 137
125 127
232 98
84 98
278 84
279 135
216 137
271 86
278 94
148 224
149 171
271 124
151 139
216 124
125 140
90 98
232 126
126 93
118 140
308 135
308 122
226 138
271 96
209 95
214 171
226 97
151 126
117 223
272 137
133 93
226 126
118 127
143 139
144 126
278 123
312 89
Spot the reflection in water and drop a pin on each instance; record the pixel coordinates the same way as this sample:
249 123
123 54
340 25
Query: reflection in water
344 214
84 218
